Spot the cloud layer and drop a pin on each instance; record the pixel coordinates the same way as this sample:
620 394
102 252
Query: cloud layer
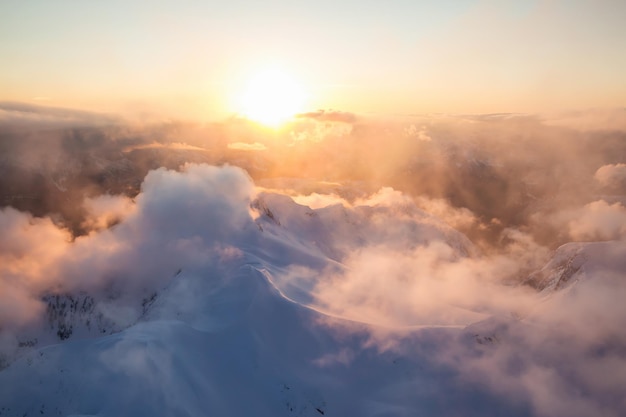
180 219
417 234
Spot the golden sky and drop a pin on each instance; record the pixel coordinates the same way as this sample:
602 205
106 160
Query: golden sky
193 59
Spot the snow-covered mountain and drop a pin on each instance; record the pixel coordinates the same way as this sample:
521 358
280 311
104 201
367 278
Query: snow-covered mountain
579 261
209 299
226 340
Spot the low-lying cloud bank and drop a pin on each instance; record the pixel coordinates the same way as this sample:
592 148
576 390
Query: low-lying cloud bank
507 170
410 243
567 358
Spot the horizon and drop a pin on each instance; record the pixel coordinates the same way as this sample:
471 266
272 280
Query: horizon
191 61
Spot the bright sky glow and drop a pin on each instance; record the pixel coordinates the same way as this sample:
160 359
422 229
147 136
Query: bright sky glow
397 56
271 97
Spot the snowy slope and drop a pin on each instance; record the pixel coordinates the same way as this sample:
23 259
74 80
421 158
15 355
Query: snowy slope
209 318
224 340
578 260
244 350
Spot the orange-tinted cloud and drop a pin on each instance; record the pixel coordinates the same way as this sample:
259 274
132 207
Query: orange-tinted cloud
329 116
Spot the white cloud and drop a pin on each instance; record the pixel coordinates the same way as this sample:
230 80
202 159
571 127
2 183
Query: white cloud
386 197
597 220
431 285
412 131
244 146
180 219
31 251
105 210
611 175
316 200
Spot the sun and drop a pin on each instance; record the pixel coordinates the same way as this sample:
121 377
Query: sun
271 97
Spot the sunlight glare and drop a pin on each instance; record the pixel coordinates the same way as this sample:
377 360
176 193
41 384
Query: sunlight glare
271 97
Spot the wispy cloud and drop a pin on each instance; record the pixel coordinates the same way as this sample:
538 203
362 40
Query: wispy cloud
329 116
244 146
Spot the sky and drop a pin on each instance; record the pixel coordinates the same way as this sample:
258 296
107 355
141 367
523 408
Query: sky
190 59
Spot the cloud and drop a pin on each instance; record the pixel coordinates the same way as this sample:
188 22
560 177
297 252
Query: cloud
461 219
243 146
504 169
24 114
106 210
31 251
589 119
402 267
179 220
329 116
413 131
317 132
433 284
566 358
174 145
551 355
597 220
316 200
385 197
458 218
612 175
